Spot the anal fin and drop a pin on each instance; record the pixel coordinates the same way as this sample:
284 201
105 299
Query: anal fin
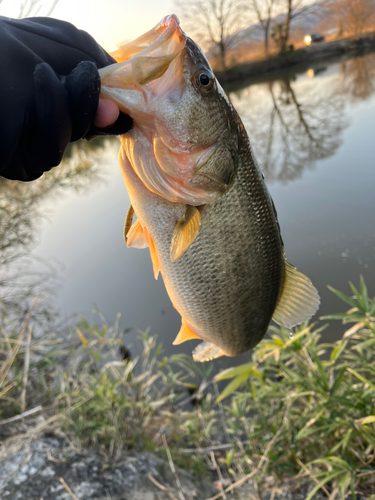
299 299
205 351
185 333
185 232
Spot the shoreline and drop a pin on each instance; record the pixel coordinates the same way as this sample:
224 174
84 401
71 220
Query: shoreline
266 68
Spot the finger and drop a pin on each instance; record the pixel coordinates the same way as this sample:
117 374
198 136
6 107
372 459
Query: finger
83 86
123 124
106 114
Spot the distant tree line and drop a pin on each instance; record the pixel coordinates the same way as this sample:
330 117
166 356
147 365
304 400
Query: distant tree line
217 23
352 17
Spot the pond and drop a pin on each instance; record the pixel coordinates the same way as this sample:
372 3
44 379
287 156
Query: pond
312 132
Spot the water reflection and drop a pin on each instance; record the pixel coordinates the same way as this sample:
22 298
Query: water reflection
358 78
293 122
24 275
307 134
293 126
312 72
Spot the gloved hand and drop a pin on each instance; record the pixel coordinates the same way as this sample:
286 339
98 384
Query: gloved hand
48 96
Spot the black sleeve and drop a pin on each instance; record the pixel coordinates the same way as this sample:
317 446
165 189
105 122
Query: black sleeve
49 92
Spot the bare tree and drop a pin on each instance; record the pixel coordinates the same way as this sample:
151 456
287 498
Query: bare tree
352 17
263 11
212 23
292 9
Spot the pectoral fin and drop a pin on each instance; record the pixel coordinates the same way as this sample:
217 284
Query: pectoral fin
154 256
136 237
185 232
299 299
206 351
185 333
133 233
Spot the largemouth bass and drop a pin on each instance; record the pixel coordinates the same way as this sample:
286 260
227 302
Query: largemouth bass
201 203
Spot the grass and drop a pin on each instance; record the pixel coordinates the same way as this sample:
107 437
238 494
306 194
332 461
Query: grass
300 408
314 401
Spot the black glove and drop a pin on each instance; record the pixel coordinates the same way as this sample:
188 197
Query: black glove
48 96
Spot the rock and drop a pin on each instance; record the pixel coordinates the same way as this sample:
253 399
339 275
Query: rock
48 468
45 469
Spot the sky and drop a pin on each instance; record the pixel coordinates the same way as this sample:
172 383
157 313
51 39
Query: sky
110 22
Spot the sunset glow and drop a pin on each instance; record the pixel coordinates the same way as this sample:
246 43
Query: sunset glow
111 22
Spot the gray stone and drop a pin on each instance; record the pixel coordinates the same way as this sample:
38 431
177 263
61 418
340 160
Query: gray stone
31 474
34 473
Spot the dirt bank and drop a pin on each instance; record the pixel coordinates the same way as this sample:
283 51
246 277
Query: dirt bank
312 54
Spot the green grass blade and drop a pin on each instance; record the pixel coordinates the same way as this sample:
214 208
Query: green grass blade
327 478
232 386
342 296
361 378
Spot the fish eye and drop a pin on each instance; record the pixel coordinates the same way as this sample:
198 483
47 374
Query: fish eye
205 80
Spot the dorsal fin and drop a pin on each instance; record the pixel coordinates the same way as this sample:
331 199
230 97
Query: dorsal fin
299 299
205 351
185 232
185 333
136 237
154 256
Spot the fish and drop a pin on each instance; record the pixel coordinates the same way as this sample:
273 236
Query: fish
199 198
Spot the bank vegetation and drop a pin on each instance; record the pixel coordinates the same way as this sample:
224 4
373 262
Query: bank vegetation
300 408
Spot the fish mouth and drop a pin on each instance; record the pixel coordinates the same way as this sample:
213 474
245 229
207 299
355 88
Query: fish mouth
148 57
148 80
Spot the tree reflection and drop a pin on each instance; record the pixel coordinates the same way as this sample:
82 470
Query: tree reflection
22 276
358 77
294 129
293 123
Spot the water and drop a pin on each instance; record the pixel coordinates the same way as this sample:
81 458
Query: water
313 134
